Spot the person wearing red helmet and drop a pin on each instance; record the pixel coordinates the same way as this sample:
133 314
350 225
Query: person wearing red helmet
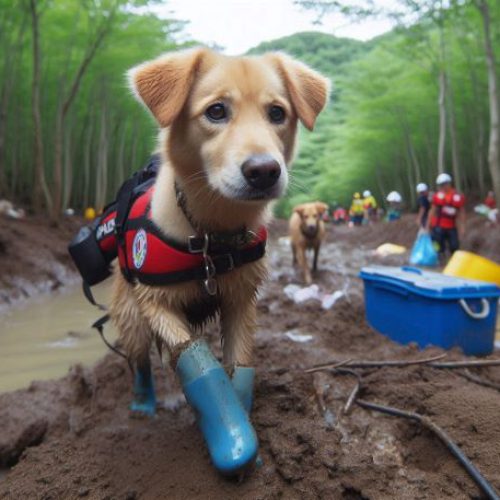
447 215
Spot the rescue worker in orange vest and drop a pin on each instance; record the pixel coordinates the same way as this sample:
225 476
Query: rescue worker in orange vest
447 215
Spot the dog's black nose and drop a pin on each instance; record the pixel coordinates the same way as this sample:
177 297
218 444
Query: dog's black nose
261 172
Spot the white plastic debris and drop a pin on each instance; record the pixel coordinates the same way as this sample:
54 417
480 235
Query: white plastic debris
300 295
329 299
284 241
298 337
305 294
290 291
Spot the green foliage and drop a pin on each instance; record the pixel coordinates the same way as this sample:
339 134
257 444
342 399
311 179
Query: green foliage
379 131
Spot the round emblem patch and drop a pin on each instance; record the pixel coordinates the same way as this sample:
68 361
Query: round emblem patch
139 248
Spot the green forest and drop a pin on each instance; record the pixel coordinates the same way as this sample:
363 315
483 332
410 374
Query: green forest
414 102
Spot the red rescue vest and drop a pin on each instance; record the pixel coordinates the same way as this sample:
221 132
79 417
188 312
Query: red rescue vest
447 205
148 256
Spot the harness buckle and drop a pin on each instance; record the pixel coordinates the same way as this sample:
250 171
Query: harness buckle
196 245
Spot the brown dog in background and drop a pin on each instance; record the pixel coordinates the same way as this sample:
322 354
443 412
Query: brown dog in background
227 137
307 231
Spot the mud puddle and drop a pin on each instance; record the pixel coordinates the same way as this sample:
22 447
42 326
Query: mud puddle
42 339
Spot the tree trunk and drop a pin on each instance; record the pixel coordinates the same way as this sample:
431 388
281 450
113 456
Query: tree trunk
494 143
102 164
11 52
68 167
380 183
455 154
65 107
442 122
41 191
86 164
480 157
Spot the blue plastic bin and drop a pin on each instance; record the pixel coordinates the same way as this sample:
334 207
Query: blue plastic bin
411 305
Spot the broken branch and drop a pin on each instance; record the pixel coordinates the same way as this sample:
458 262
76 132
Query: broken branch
426 422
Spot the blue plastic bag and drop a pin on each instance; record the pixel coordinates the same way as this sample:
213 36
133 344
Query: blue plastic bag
423 252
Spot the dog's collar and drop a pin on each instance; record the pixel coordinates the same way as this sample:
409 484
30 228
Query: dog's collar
237 239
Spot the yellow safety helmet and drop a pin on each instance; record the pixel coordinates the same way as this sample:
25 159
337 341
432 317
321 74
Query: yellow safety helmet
89 214
357 196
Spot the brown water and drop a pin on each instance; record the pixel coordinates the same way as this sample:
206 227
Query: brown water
43 338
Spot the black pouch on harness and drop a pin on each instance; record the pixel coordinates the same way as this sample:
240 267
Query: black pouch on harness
93 262
96 245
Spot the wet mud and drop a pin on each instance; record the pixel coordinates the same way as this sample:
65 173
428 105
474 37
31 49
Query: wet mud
74 437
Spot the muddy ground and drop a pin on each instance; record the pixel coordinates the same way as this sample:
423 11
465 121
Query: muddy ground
74 438
33 257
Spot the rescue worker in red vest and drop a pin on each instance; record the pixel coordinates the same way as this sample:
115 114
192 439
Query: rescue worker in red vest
447 215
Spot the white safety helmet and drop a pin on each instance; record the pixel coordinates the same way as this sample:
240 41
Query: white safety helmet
422 187
443 179
394 197
366 193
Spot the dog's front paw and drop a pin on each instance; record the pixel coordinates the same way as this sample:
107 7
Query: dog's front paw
142 409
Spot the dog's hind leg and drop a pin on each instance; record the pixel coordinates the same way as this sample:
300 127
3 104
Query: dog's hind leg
315 261
144 402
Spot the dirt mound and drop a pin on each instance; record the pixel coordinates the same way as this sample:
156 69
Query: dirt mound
74 438
33 257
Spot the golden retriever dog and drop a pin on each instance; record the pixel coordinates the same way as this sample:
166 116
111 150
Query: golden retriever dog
307 231
228 129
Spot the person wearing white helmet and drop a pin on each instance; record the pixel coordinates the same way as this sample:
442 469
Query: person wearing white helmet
447 216
369 206
423 203
394 200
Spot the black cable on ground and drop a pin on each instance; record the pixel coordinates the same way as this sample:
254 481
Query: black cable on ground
483 484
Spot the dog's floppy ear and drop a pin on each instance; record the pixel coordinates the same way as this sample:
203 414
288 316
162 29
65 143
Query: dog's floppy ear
163 84
299 209
309 91
321 207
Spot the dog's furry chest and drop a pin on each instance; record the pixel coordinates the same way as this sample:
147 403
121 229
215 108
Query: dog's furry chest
202 309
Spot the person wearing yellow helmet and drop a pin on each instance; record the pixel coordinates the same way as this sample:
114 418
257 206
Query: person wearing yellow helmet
357 210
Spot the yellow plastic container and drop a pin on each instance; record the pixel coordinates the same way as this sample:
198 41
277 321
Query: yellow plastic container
472 266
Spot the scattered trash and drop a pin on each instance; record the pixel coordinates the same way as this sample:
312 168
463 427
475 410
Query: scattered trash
389 249
330 299
284 241
7 208
423 252
298 337
300 295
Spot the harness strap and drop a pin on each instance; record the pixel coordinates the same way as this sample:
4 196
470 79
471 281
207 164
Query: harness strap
222 264
99 326
90 296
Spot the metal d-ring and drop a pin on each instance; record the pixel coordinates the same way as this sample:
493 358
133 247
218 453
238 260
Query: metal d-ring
210 283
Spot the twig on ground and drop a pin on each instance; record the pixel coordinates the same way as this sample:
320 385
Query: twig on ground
332 365
466 363
355 390
478 380
426 422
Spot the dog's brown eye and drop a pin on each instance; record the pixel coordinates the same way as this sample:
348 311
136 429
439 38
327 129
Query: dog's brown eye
276 114
216 112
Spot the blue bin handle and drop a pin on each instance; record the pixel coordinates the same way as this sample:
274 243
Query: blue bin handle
414 270
476 315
